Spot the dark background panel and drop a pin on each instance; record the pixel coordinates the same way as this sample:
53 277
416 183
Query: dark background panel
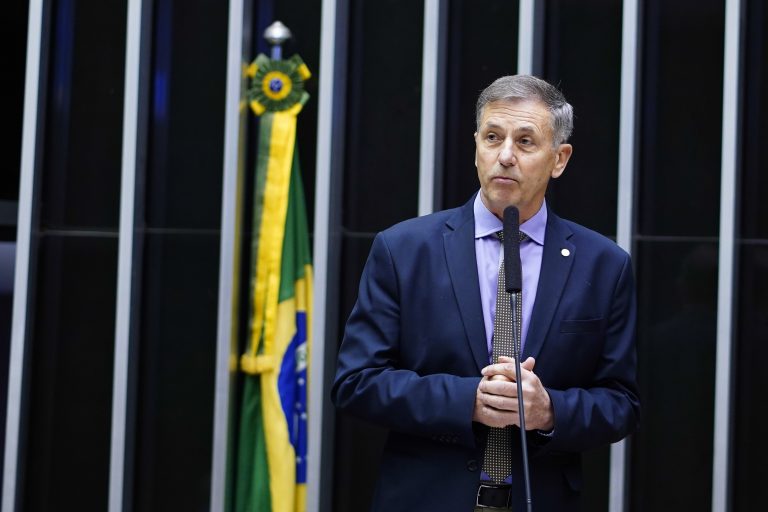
596 465
177 316
380 183
749 442
302 17
64 460
354 254
354 475
71 339
482 46
681 117
671 464
751 413
15 69
754 168
177 359
7 263
363 442
586 66
84 116
183 181
381 166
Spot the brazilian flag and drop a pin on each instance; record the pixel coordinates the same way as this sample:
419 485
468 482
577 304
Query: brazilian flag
272 438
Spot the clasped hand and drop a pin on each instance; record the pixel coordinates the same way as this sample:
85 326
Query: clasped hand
496 403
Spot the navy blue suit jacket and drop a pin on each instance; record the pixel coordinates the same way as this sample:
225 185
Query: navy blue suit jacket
415 343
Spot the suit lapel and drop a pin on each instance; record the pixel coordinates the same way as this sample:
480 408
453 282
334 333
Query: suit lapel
459 244
555 269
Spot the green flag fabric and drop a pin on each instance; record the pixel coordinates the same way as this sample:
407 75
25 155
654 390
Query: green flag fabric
271 470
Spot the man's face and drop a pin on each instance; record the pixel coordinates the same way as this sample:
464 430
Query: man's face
515 157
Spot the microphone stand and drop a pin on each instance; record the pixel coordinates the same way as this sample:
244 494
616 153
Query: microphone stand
513 285
515 303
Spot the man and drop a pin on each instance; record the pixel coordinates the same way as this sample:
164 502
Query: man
417 347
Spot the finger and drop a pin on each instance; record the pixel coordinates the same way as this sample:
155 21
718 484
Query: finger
496 418
528 364
499 403
502 387
501 368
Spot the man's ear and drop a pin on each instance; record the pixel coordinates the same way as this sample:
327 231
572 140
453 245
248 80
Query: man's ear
562 154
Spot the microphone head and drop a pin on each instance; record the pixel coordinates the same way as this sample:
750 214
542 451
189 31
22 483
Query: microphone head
513 274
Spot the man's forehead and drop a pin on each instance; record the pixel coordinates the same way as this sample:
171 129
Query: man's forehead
520 126
518 108
522 115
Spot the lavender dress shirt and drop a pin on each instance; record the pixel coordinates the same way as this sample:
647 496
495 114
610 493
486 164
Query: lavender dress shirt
489 254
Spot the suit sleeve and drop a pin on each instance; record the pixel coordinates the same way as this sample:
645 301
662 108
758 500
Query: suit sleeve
607 410
373 382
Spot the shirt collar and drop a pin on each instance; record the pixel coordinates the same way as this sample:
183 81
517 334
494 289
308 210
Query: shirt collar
487 223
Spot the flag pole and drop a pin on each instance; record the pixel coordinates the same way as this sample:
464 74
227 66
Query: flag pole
276 34
272 445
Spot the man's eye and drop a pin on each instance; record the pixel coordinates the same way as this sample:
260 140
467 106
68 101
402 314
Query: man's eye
492 137
525 141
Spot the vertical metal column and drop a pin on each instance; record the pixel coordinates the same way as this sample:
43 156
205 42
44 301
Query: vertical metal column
530 37
330 151
626 196
125 261
525 37
228 255
29 163
432 105
725 281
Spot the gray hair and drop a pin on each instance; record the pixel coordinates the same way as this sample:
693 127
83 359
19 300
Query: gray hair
526 87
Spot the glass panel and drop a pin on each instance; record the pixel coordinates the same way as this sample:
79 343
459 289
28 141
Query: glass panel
677 314
754 175
357 440
176 345
474 60
749 443
381 177
176 372
358 444
7 263
70 375
586 65
678 221
183 187
15 65
64 460
84 116
681 116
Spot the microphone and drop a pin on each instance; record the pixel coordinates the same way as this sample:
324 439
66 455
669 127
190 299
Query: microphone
513 272
513 283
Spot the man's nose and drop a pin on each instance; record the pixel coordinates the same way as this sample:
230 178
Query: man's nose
507 155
